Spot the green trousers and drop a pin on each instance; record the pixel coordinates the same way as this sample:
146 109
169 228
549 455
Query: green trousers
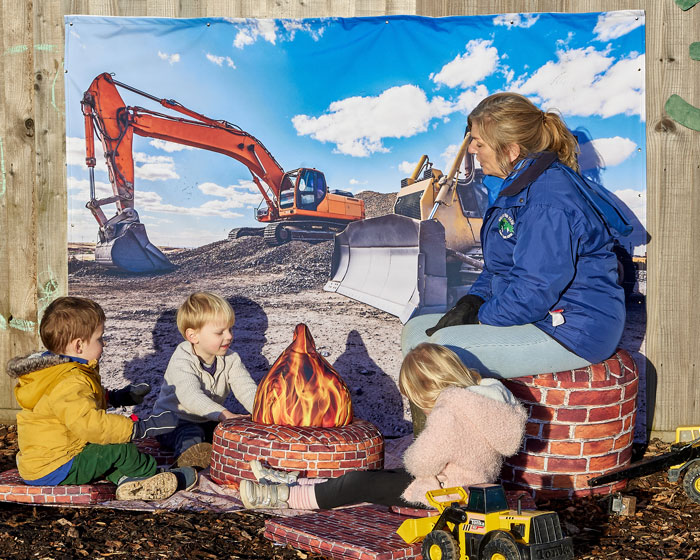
111 461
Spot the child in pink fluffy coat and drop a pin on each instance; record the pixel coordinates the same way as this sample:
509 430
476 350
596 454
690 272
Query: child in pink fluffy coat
472 424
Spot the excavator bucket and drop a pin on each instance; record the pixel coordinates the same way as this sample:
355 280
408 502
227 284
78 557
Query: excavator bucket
394 263
131 250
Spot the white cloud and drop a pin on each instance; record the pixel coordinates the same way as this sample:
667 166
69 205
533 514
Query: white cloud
479 61
407 167
294 25
612 25
470 98
605 152
586 82
516 20
448 157
168 146
79 189
357 125
154 168
256 28
75 151
636 201
246 193
250 30
219 60
169 58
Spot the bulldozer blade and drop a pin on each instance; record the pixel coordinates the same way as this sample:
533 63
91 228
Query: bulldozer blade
132 251
394 263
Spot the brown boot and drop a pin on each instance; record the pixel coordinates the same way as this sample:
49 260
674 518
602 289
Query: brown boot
198 456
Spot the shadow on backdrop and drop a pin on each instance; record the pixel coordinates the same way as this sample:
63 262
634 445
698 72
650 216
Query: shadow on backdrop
592 164
375 395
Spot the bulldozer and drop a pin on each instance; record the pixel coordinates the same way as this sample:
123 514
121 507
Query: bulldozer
478 525
295 204
424 256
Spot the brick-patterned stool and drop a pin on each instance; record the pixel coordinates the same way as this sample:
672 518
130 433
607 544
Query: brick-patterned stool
581 425
316 452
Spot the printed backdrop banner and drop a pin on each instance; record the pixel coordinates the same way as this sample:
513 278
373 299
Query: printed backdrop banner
360 99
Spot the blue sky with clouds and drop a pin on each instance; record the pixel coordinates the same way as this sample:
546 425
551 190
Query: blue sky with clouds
360 99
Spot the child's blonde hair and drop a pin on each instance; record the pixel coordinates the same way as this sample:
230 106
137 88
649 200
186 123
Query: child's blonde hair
428 369
67 318
202 307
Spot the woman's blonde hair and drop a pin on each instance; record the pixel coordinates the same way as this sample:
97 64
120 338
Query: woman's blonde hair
510 118
428 369
202 307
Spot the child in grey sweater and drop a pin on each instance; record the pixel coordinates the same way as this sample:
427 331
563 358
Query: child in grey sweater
201 374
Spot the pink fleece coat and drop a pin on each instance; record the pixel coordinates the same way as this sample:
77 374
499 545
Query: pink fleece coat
465 438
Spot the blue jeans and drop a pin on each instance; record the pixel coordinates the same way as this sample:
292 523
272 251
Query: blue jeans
188 434
501 352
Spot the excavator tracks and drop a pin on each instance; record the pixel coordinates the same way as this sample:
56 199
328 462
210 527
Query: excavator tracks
279 233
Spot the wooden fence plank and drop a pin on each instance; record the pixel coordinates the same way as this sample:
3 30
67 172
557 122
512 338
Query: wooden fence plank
19 255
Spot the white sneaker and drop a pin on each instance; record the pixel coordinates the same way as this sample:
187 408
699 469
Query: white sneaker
272 476
265 496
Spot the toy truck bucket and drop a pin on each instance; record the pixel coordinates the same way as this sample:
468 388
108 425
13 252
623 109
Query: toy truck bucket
131 250
394 263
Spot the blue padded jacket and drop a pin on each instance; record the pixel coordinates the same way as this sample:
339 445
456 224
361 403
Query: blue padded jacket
549 261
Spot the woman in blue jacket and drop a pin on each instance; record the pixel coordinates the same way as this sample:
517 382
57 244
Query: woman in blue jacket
548 298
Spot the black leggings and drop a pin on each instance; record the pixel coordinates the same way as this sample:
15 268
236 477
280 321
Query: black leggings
377 487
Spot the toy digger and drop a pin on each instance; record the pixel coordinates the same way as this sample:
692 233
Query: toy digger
480 526
682 461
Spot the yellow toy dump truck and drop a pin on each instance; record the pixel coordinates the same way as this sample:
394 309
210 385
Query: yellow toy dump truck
683 461
478 525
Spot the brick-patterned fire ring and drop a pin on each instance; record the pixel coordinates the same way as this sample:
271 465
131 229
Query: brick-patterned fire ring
581 425
315 452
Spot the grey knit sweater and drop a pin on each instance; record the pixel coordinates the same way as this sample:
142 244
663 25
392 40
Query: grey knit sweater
195 395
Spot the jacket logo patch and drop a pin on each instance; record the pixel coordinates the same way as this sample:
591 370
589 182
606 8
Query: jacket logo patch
506 226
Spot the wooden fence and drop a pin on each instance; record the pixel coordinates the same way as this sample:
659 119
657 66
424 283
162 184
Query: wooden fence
33 201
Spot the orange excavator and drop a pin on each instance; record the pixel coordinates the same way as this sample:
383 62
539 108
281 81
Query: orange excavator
297 203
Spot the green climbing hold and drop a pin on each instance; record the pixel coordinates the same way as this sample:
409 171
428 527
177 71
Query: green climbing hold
695 51
686 4
683 112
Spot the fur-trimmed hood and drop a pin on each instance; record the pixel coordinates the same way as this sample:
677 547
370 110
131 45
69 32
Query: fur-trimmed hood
22 365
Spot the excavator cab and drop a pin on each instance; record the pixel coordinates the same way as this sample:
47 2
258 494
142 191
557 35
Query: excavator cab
303 189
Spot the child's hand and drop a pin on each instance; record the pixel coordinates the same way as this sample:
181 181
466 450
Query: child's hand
227 415
129 395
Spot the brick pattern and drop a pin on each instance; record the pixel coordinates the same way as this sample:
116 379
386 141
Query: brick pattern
315 452
13 489
152 447
581 425
357 533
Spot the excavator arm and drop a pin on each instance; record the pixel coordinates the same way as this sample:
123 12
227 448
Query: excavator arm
114 123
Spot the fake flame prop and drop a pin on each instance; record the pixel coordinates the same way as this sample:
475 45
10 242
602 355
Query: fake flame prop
302 388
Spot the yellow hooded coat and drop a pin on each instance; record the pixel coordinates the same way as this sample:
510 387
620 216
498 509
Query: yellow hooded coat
63 409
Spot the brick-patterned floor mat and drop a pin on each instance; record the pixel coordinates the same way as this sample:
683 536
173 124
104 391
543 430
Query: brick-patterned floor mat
359 533
364 532
12 489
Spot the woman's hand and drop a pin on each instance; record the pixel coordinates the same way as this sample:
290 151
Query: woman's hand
465 312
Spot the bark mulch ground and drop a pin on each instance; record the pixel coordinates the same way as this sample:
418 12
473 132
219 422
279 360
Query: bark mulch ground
666 525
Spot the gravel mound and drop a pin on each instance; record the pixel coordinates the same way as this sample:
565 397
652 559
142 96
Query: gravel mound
302 265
